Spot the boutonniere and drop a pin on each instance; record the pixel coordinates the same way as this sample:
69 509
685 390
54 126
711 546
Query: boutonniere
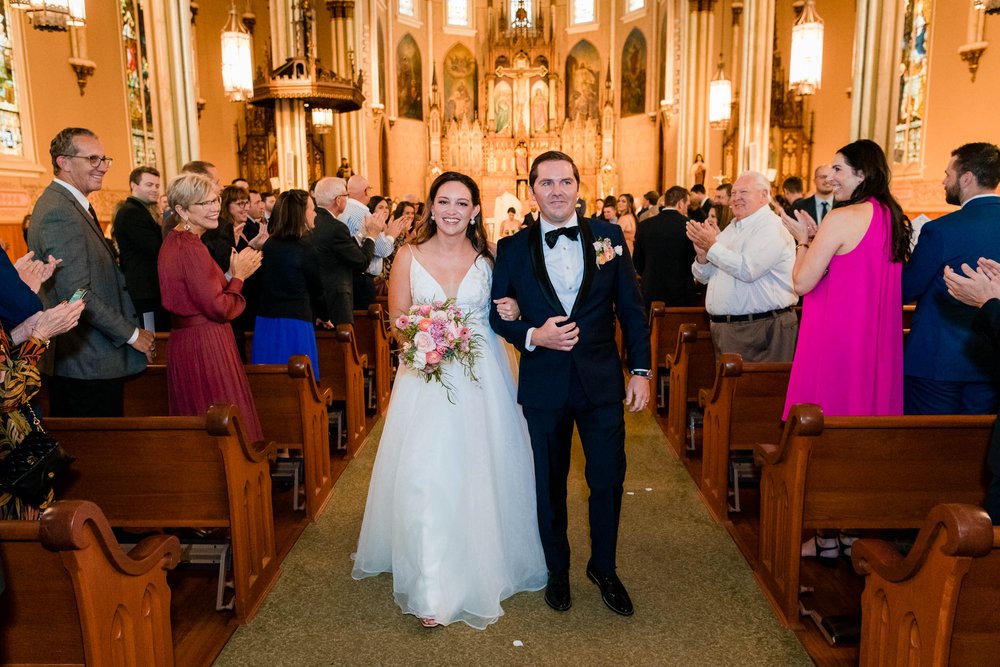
605 251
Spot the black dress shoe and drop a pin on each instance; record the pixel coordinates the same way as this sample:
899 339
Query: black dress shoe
612 591
557 592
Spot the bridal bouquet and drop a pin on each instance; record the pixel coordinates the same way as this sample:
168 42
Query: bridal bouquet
431 334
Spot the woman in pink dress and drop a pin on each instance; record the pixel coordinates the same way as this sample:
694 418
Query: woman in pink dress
849 356
203 366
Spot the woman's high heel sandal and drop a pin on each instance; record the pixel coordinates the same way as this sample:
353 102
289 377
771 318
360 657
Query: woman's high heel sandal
825 549
428 622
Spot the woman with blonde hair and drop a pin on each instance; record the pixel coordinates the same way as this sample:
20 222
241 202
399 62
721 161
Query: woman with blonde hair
203 365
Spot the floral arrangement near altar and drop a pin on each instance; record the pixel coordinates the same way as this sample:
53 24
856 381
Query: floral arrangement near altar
433 334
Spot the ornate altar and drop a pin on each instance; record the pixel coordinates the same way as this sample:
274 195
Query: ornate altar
493 128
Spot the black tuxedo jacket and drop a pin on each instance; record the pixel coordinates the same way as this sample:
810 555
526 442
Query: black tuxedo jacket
606 292
139 238
663 257
340 257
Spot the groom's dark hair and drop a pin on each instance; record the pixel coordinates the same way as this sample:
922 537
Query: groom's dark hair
551 156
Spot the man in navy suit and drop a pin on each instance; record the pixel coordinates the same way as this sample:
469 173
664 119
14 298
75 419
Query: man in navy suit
571 277
951 368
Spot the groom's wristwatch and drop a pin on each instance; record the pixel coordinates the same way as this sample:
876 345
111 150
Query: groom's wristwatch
640 372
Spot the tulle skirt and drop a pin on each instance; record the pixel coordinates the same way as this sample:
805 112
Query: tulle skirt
275 339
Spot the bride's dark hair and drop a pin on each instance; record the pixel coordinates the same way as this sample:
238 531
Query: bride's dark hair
475 232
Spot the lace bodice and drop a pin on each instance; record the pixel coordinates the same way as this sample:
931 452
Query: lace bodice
473 295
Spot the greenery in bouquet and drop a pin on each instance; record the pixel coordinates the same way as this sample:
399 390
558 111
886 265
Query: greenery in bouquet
431 335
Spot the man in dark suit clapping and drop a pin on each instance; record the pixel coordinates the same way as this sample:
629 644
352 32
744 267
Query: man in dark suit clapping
340 254
664 253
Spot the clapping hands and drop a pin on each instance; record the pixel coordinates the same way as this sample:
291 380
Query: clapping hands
34 272
977 286
702 235
244 263
802 227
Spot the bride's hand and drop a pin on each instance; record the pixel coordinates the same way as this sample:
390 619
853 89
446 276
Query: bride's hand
507 308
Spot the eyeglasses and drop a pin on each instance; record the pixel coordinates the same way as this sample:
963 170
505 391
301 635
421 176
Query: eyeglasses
242 203
211 203
95 160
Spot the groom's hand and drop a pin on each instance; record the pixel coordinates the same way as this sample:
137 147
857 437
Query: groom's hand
637 393
558 333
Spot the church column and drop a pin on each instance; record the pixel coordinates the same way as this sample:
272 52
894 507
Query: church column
755 86
874 95
174 71
698 69
289 115
491 117
347 139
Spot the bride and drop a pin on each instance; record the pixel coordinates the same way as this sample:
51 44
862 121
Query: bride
451 506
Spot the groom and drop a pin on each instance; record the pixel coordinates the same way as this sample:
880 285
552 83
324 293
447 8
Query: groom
569 292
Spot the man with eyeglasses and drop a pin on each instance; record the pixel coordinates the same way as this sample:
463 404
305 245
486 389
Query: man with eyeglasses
89 363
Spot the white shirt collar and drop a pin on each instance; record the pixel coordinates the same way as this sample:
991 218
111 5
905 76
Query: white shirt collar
79 196
988 194
762 213
548 226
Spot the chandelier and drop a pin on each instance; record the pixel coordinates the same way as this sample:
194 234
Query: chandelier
720 99
322 120
237 59
520 21
806 69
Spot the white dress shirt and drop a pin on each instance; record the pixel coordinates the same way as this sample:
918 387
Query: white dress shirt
564 264
750 267
354 216
820 213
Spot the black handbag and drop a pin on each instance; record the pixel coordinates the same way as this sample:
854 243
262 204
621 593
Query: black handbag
30 469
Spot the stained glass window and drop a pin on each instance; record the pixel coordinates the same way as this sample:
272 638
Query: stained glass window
140 107
514 4
910 113
406 7
10 116
583 11
458 12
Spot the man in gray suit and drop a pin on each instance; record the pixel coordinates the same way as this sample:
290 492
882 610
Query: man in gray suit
89 363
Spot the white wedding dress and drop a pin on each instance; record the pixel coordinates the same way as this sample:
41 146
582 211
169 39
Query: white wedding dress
451 506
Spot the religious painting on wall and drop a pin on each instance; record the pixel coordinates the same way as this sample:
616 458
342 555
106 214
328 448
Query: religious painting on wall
634 74
382 71
539 107
910 113
583 73
10 115
504 96
140 106
409 79
460 84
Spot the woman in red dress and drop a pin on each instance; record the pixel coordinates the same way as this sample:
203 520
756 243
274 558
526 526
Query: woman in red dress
203 366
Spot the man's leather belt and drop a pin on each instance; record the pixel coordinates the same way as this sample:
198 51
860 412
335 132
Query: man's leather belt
752 317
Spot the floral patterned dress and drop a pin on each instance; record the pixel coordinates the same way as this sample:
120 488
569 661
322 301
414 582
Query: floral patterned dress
19 383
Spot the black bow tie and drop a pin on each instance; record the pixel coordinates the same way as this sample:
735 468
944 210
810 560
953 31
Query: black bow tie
552 236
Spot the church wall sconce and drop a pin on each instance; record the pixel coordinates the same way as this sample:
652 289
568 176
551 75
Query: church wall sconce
806 70
720 99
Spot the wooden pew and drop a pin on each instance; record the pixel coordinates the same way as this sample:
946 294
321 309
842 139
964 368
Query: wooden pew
743 408
940 605
74 597
291 407
180 472
861 473
691 366
664 324
372 338
343 372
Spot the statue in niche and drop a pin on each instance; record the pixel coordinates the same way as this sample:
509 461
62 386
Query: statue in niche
521 159
460 103
502 108
539 107
698 170
344 170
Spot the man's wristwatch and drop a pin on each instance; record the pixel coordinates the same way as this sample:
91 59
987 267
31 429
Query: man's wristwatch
640 372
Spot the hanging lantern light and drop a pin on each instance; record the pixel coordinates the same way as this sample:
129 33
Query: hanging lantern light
720 99
77 13
50 15
322 120
237 59
806 70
